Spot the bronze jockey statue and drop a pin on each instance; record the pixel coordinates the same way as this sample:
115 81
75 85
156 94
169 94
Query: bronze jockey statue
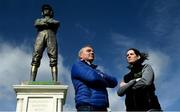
46 38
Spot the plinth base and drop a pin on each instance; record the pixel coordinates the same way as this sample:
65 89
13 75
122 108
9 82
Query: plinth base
40 98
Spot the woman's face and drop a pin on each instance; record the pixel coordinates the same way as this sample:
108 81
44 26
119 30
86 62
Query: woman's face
132 57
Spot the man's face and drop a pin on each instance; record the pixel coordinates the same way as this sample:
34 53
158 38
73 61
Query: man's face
46 12
132 57
87 54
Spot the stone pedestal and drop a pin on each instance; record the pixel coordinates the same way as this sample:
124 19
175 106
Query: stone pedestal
40 98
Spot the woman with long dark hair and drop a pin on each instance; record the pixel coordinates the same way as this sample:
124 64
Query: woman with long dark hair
138 84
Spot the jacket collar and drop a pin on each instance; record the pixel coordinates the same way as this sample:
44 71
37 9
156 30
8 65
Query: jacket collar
135 67
89 64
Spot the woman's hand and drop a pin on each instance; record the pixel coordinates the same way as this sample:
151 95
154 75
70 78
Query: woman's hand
122 84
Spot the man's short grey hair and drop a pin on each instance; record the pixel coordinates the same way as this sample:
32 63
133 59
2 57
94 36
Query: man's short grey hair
80 51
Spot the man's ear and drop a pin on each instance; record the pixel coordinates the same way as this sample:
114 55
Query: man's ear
80 57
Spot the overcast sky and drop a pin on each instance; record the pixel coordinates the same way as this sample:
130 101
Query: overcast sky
111 27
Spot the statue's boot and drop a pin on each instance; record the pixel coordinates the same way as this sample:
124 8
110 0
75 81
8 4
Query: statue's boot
34 70
54 72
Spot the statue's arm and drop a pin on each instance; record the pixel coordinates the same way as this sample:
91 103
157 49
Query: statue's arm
40 23
53 23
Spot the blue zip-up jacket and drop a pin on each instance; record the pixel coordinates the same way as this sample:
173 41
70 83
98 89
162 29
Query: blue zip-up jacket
90 85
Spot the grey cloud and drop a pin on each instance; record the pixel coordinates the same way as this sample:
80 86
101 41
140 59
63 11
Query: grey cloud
121 40
116 103
85 31
159 62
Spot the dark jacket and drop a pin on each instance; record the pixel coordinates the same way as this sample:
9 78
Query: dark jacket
140 95
90 85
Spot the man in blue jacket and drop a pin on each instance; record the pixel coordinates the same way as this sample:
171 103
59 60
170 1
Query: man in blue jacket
89 83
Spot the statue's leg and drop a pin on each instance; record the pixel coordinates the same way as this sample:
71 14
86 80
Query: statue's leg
53 55
39 47
54 72
34 70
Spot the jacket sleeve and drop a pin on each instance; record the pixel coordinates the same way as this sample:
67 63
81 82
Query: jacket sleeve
87 74
122 90
146 79
111 81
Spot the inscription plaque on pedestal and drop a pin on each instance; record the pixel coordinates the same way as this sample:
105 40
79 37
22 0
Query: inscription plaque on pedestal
40 105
